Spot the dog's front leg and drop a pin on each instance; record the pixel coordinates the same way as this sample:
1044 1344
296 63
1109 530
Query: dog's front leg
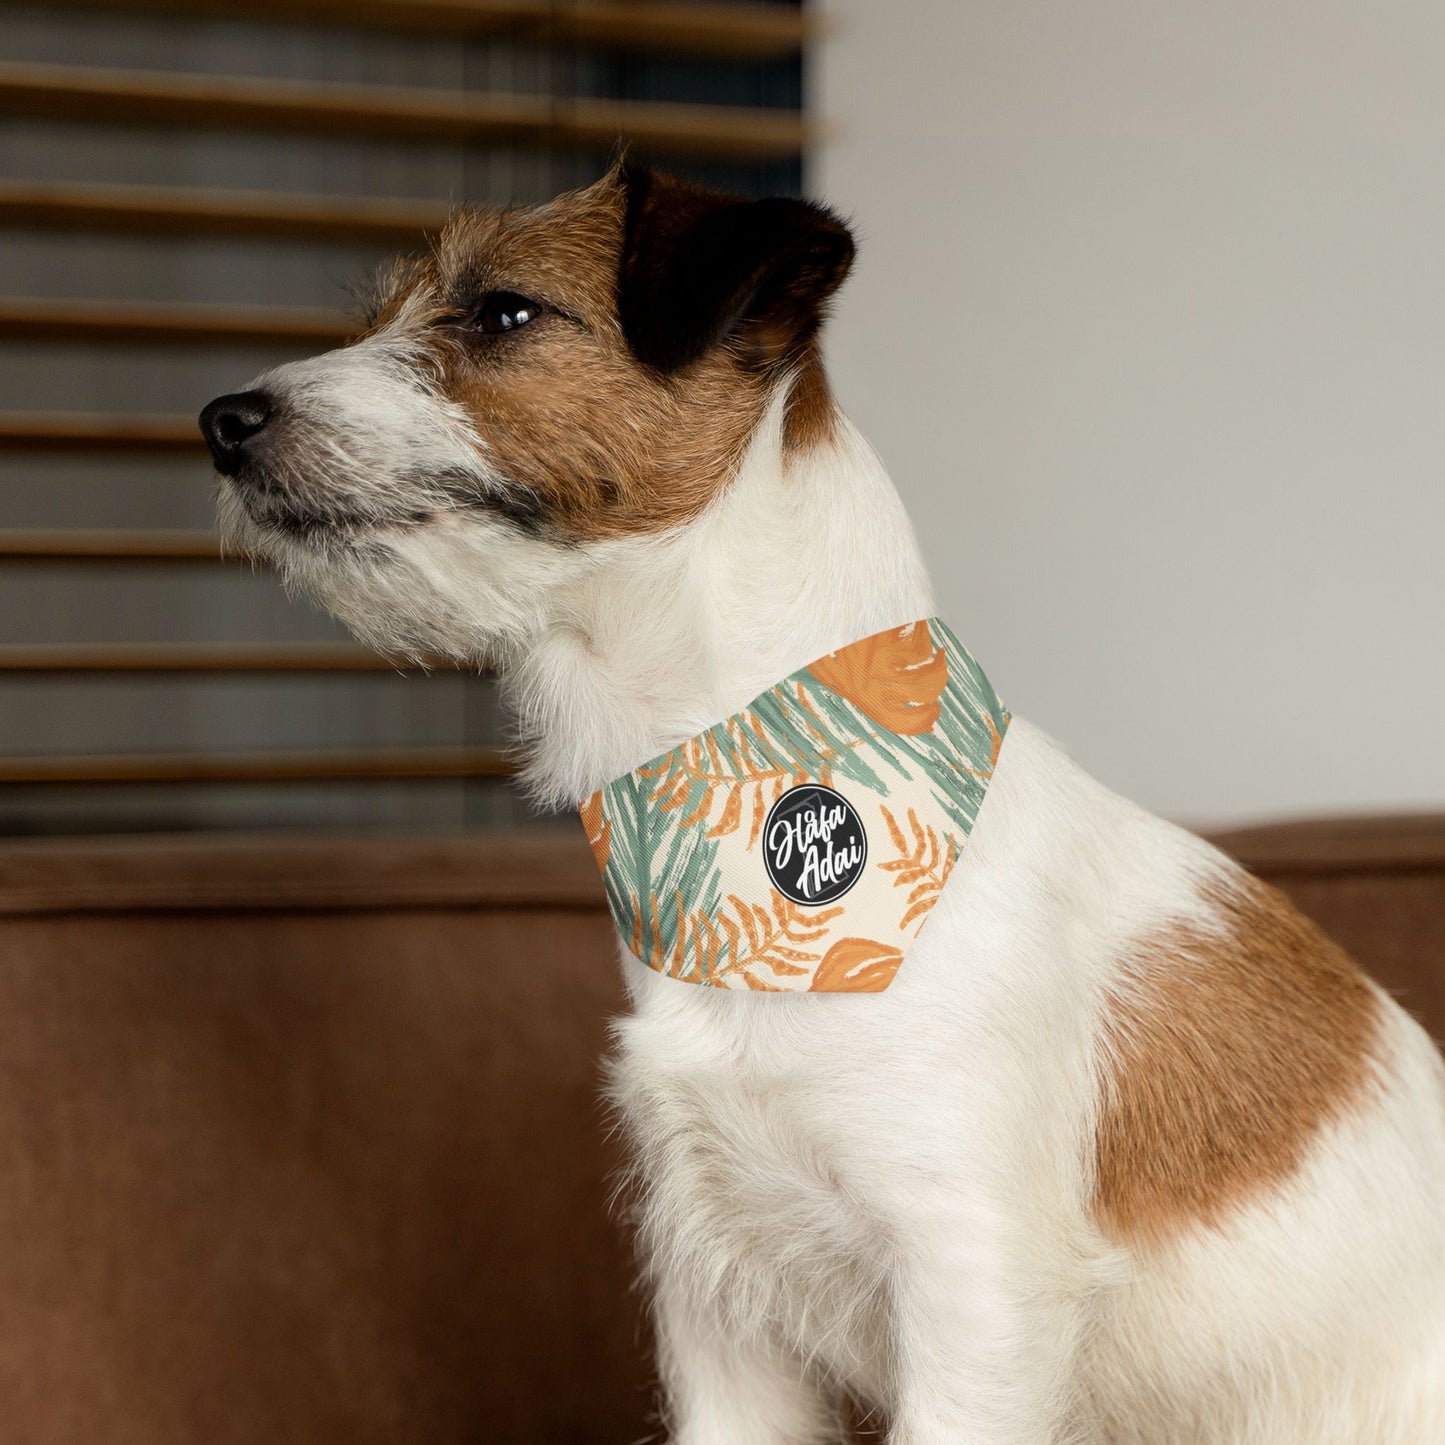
721 1387
985 1340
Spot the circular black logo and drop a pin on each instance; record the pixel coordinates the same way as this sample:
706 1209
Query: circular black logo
814 844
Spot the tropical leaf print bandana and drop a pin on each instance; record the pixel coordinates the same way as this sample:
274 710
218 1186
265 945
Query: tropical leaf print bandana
800 844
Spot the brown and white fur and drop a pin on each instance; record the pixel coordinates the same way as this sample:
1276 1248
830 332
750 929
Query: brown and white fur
1128 1152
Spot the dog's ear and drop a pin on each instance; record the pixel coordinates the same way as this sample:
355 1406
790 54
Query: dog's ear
700 266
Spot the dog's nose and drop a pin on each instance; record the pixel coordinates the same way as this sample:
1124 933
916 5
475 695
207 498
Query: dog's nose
229 422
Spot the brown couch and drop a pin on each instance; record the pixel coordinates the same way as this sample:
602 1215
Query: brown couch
302 1140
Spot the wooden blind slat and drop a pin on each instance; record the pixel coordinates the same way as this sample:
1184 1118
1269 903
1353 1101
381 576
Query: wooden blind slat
172 323
218 102
78 431
83 544
172 211
762 32
271 766
755 32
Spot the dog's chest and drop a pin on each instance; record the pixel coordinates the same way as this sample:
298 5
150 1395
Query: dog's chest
748 1162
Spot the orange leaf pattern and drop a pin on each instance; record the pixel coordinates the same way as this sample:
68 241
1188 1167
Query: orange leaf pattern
895 678
857 965
599 830
903 725
922 866
694 776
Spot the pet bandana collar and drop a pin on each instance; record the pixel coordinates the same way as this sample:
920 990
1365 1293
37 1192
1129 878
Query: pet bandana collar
800 844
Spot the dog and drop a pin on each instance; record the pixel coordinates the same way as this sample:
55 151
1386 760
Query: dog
1127 1151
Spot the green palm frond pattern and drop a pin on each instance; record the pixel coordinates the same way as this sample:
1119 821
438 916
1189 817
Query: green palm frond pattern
957 755
651 858
906 715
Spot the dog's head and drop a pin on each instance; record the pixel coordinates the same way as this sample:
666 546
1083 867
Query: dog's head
544 383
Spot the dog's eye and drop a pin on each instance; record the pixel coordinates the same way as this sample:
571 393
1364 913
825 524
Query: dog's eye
504 311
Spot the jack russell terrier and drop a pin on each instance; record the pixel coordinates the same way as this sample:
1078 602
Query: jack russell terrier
1031 1119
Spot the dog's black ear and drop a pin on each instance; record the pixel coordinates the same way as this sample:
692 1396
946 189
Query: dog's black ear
699 266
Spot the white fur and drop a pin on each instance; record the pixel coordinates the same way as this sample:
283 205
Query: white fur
890 1193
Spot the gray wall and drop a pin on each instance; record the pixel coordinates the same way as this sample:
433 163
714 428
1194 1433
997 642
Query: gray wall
1149 324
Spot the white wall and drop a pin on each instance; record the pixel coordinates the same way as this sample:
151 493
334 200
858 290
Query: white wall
1149 324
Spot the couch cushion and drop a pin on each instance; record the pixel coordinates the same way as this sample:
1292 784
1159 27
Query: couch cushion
302 1143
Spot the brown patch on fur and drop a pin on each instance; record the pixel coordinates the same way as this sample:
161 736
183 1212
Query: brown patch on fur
606 445
1228 1051
383 299
812 417
603 444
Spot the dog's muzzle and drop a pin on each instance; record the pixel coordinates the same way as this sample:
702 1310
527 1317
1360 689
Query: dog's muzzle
232 422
